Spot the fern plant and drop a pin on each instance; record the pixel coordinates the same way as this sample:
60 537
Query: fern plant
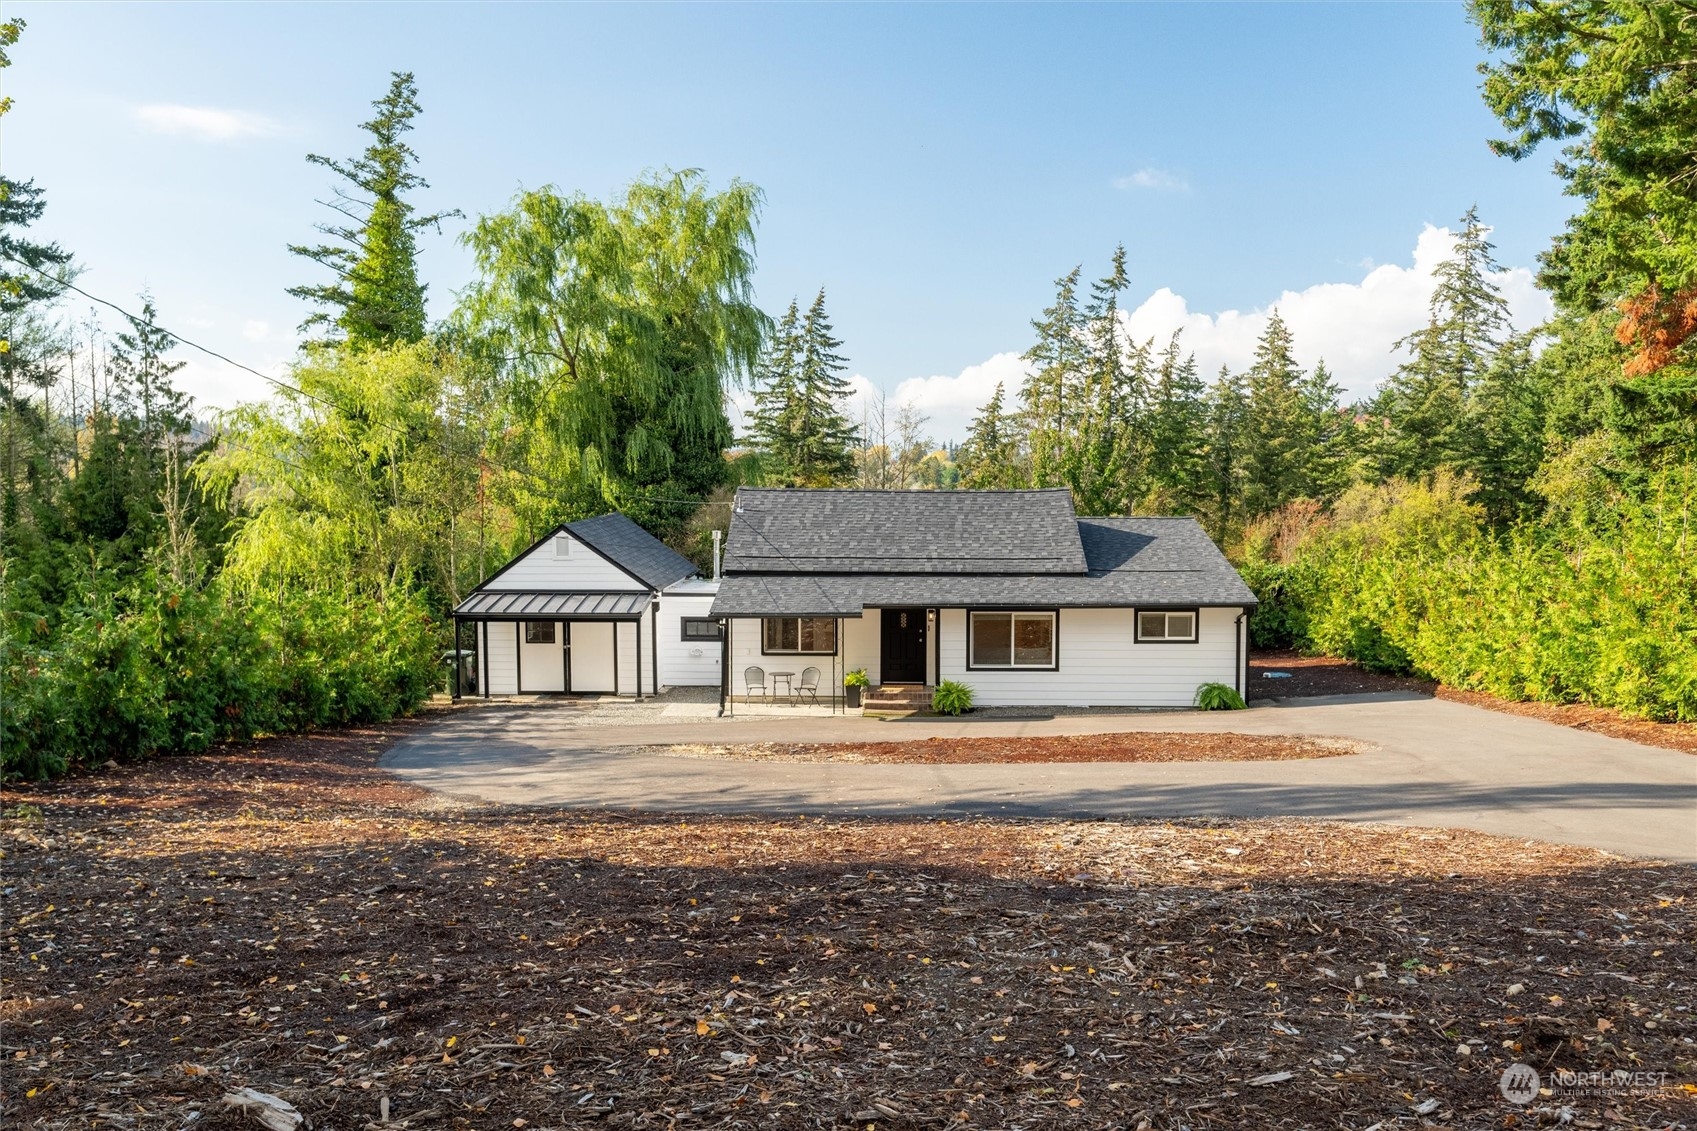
951 698
1219 697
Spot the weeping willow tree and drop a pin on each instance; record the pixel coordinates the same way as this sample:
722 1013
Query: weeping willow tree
621 328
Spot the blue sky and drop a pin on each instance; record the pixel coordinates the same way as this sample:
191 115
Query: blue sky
934 167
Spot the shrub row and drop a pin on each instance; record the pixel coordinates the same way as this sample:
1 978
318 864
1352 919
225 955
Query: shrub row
1404 579
131 674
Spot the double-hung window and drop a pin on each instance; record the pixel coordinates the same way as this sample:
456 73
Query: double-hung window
1166 626
808 636
1011 640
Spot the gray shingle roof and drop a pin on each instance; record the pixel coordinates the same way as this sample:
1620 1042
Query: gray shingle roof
790 531
1131 562
629 545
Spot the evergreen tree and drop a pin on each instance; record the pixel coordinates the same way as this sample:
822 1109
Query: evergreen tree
1424 401
1278 435
1177 436
772 422
1503 435
990 458
1104 454
823 436
376 298
1331 443
1226 424
1050 394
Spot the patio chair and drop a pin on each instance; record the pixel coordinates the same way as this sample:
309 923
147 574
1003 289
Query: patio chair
754 679
809 685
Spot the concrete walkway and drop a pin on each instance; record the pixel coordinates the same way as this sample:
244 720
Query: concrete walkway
1430 762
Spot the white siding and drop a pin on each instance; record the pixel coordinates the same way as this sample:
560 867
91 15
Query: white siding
542 667
592 656
583 569
686 663
745 651
1101 664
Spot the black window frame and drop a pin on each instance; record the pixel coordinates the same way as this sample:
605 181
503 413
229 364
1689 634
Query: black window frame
684 625
798 650
1195 627
553 632
1054 616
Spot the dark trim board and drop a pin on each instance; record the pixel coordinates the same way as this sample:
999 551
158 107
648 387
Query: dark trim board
1054 612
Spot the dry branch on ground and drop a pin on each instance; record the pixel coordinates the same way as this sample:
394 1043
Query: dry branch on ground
288 918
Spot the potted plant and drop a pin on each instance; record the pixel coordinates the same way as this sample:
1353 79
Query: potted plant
854 685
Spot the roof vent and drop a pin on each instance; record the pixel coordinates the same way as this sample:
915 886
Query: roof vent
562 545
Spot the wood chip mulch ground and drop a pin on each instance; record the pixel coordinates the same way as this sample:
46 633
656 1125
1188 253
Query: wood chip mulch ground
1328 675
286 917
1137 746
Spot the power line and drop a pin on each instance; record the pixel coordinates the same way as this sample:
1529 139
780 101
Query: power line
210 352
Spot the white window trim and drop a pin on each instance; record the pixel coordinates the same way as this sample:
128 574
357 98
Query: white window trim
1051 615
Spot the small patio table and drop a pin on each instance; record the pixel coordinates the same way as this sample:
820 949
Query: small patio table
789 687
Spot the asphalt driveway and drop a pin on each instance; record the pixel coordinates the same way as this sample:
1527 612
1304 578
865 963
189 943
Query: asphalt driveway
1428 762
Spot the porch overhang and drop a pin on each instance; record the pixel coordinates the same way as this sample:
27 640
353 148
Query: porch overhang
543 604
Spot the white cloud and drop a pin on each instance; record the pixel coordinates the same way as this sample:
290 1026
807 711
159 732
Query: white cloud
205 123
1352 326
1151 178
255 330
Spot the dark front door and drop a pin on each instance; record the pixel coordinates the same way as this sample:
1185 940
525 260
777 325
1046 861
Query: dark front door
902 655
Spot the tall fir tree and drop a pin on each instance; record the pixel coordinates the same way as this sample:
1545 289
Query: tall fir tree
1177 436
824 437
1050 393
376 298
1424 401
1225 428
1278 432
991 458
1503 436
772 421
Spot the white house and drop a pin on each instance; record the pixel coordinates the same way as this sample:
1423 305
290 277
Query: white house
597 606
1009 592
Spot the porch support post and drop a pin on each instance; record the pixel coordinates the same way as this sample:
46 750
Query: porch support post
483 656
456 655
637 626
654 641
724 666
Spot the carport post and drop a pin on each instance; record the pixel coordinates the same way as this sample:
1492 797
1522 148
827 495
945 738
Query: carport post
637 624
456 659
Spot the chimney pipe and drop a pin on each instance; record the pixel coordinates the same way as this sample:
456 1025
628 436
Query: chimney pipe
717 535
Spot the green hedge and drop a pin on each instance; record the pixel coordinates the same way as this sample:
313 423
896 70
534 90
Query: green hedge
1405 579
131 674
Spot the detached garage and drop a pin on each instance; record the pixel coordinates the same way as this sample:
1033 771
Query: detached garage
598 606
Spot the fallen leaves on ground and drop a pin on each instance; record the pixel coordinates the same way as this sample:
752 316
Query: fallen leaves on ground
289 919
1132 746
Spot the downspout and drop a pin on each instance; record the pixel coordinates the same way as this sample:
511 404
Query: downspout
724 664
654 639
1237 651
